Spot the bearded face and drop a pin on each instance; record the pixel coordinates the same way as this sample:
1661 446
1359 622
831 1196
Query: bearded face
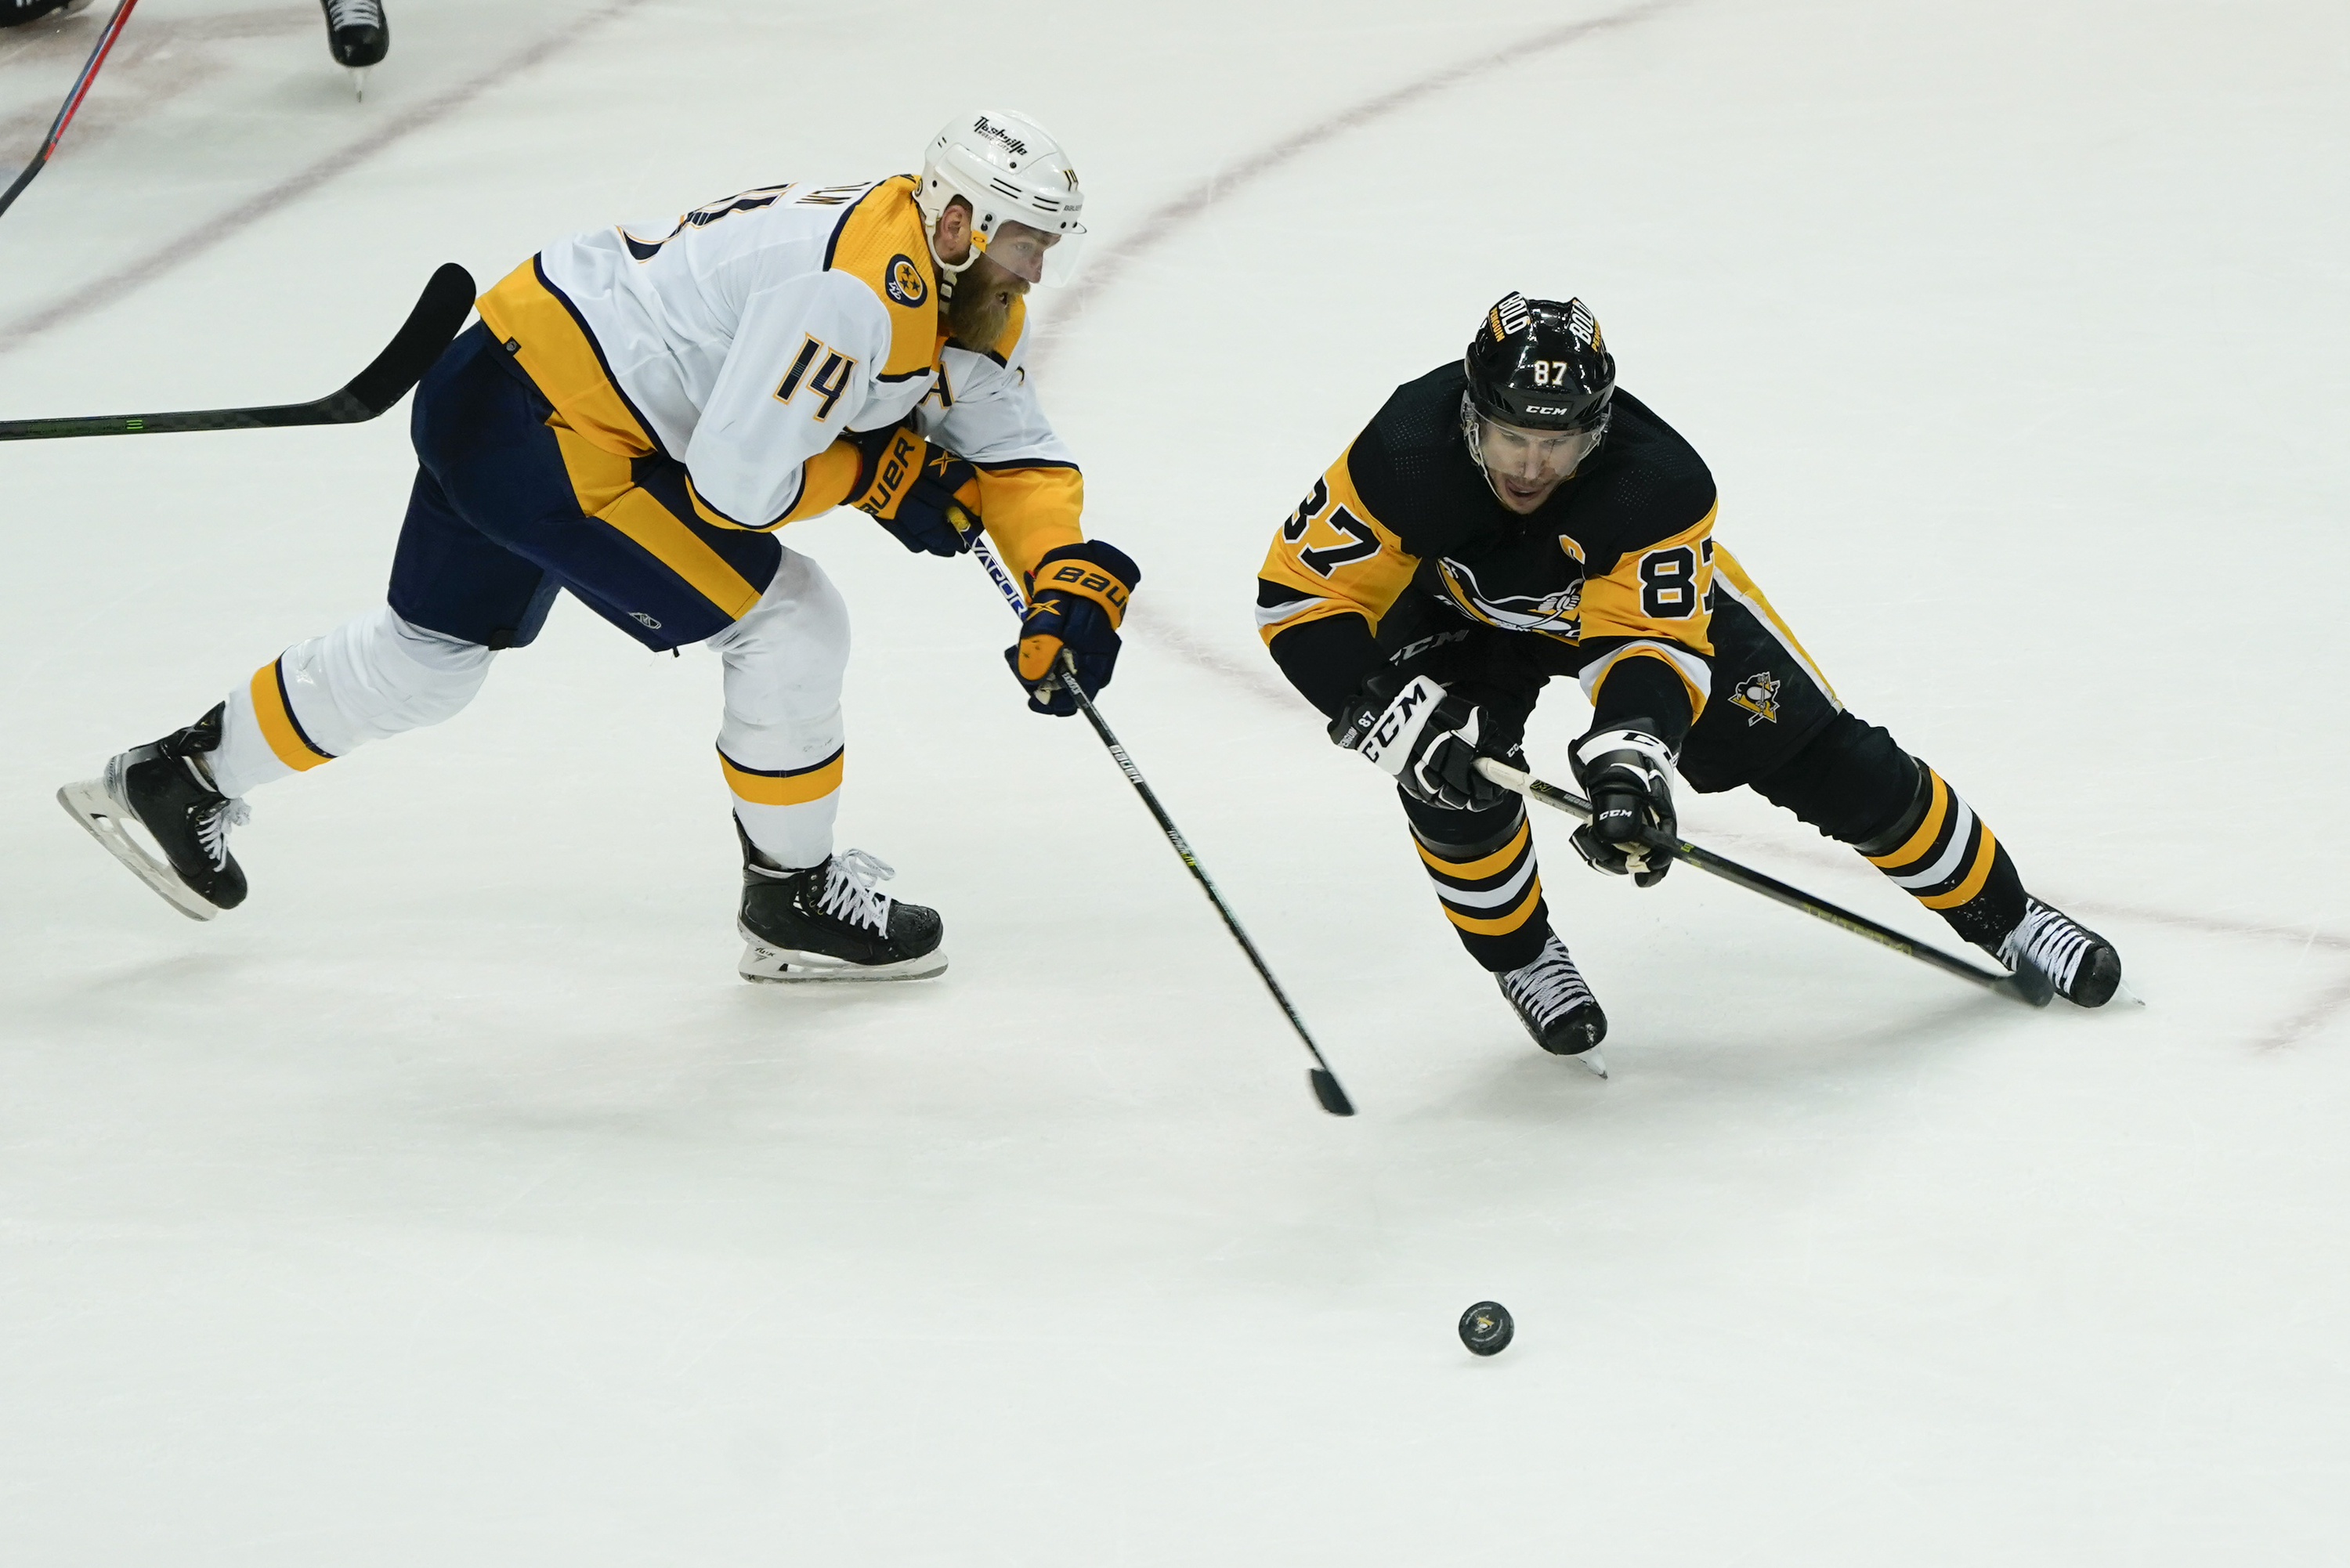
981 305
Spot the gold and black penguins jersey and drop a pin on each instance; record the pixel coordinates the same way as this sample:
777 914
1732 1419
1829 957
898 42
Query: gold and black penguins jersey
1612 572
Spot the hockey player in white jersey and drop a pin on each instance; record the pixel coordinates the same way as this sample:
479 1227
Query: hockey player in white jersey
638 411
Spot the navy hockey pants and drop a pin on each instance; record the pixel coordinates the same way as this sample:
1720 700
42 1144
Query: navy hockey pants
510 507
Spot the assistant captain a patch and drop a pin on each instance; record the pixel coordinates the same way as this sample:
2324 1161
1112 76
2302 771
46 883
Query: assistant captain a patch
1759 695
904 281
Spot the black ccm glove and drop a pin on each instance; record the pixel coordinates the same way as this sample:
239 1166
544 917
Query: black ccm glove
1423 738
1625 773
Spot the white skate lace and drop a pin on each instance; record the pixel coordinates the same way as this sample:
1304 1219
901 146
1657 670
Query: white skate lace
1549 986
212 829
2049 940
354 13
848 882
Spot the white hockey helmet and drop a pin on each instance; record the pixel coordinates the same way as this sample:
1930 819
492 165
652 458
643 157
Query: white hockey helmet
1011 170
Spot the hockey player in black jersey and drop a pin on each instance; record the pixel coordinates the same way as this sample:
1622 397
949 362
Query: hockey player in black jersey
1513 516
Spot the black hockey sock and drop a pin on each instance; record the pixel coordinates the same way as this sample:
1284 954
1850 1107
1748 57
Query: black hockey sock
1945 857
1487 883
1854 785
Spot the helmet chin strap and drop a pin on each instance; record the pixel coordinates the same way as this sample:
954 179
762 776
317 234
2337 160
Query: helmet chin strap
948 271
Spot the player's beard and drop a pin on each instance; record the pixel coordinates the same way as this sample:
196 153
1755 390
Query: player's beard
981 305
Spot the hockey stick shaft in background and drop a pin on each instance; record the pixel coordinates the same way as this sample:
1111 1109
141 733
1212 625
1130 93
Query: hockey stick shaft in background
1327 1088
439 311
73 103
1771 887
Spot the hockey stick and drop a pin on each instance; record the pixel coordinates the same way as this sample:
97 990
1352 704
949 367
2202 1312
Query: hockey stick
439 311
2013 985
73 102
1326 1089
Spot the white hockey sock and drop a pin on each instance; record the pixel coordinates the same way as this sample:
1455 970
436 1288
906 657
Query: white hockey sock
781 747
371 677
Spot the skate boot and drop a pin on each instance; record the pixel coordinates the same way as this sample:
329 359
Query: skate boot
166 787
17 13
357 34
2081 965
1556 1007
827 922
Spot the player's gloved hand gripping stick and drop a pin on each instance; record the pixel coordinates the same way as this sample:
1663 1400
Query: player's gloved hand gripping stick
1063 686
439 311
2026 985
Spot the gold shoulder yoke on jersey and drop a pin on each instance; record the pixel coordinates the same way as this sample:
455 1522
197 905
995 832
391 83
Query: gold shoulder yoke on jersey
880 243
1014 326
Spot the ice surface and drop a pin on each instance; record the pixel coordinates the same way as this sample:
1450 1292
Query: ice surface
453 1202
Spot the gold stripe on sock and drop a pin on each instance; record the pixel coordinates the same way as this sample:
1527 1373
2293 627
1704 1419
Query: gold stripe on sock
1486 866
795 786
278 725
1923 839
1979 872
1499 924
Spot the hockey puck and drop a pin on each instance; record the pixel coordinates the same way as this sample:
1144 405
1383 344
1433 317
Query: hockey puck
1486 1328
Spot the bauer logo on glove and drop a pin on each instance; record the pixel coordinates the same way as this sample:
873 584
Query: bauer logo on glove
924 494
1077 598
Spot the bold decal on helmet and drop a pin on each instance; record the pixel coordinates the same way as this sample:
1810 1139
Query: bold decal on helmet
1011 143
1513 312
1580 324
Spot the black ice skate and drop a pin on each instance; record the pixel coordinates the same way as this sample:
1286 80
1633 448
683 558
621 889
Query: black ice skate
827 922
166 787
357 34
1556 1007
17 13
2049 943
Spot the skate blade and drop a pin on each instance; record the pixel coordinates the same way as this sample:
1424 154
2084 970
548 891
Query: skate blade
89 803
768 965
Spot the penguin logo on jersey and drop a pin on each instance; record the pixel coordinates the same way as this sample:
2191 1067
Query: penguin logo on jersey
1759 695
1559 614
904 284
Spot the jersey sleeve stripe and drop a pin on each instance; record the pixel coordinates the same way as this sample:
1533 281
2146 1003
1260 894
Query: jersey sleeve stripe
1695 673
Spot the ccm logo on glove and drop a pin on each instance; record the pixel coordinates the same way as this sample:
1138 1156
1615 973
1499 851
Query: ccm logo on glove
1393 732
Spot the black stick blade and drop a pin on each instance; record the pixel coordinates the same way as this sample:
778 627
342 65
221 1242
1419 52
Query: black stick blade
1326 1090
440 311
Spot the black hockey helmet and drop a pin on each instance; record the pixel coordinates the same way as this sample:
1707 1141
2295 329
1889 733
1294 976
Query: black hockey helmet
1540 365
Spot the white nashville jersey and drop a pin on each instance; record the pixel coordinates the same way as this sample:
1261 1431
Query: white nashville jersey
753 333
